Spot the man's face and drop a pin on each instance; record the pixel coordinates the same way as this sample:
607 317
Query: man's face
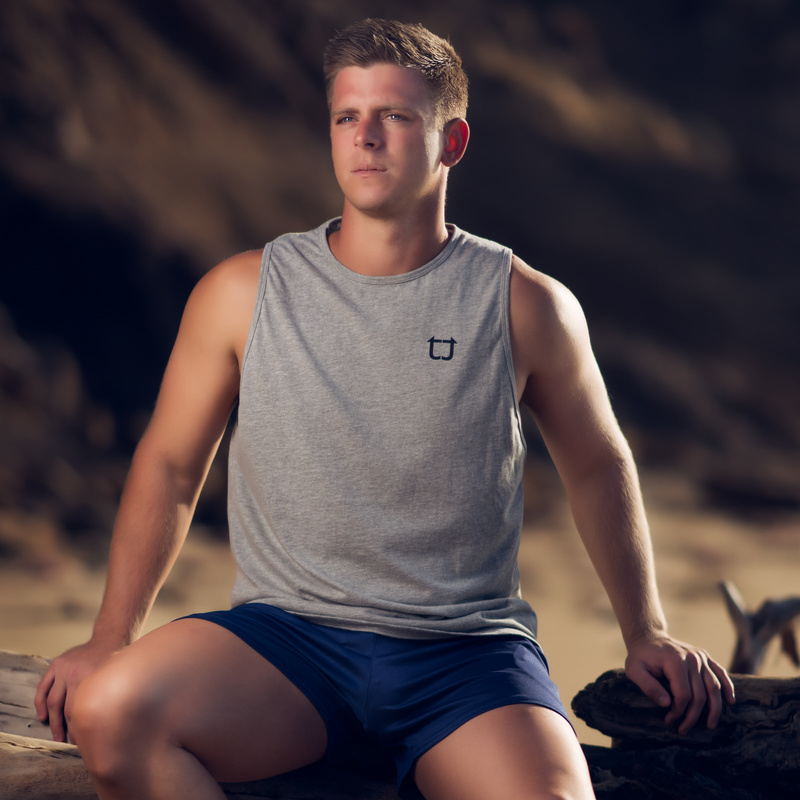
386 148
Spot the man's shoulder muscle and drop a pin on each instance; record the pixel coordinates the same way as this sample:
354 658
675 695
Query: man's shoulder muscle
223 300
550 341
546 318
234 280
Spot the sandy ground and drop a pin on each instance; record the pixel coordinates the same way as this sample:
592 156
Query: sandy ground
46 611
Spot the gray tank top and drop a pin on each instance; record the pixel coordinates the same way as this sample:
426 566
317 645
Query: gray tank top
375 473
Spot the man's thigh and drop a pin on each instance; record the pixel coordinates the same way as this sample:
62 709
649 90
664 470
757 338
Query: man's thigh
196 685
517 752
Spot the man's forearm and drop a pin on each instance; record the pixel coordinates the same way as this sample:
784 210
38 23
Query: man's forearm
151 525
609 514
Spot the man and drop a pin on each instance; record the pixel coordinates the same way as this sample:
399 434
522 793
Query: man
375 502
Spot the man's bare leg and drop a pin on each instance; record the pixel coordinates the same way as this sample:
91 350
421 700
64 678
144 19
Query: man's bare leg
186 706
519 752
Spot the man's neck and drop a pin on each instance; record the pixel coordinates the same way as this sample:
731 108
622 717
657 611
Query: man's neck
382 247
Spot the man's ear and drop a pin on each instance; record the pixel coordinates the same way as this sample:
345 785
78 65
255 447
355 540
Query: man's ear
456 136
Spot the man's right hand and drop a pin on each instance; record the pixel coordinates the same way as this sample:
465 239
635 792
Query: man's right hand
57 687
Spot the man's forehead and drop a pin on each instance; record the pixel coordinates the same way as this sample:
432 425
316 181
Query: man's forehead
385 83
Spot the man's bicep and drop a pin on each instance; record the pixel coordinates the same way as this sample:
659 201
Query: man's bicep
570 403
194 403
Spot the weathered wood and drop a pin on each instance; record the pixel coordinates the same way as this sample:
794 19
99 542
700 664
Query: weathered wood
663 774
19 677
756 629
40 769
753 754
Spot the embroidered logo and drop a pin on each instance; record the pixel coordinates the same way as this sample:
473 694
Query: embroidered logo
441 353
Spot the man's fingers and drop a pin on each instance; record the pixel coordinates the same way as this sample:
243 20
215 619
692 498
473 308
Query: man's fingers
678 672
693 670
714 696
649 685
54 694
68 714
42 691
694 679
55 707
728 691
719 688
707 683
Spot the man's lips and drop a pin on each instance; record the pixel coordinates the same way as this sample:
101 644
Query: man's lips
368 169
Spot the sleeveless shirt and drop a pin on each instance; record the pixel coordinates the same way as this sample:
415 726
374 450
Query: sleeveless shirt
375 468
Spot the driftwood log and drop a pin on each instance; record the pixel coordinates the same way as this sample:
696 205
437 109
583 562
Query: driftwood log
753 755
756 629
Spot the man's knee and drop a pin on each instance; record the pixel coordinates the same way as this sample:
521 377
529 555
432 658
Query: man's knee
113 714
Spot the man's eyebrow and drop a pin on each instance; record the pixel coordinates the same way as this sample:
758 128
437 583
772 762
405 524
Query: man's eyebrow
335 112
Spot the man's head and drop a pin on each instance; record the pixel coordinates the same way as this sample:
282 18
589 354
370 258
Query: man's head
379 41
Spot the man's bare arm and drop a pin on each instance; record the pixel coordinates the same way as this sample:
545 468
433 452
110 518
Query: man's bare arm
168 469
562 385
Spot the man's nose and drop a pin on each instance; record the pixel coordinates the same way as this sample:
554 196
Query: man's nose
368 134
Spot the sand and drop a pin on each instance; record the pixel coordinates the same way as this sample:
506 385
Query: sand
44 610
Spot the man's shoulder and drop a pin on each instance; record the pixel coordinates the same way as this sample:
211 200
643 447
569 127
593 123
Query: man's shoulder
225 296
239 271
239 266
547 322
537 290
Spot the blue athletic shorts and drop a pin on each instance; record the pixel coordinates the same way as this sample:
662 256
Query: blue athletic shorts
404 695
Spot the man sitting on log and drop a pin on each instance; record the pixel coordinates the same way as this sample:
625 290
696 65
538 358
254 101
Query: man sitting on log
377 592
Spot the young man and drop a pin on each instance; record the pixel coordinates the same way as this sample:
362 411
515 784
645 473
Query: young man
379 363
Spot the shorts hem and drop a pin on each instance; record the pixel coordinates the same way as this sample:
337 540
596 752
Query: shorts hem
405 777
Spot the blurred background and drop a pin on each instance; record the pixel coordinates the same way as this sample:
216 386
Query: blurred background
645 154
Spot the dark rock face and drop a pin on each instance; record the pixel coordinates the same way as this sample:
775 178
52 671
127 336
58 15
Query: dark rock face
645 154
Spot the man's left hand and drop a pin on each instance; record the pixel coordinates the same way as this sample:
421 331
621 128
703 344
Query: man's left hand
695 680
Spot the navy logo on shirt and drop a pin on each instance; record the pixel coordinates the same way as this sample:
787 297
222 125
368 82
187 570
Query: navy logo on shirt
441 353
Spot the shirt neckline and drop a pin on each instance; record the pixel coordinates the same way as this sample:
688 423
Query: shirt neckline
443 255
